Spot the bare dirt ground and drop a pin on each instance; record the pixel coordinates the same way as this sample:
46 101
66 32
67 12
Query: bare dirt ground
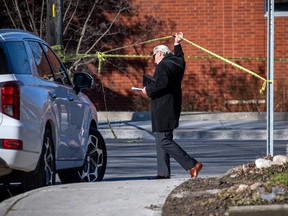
243 185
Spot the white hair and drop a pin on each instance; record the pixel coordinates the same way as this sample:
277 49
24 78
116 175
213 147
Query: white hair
161 48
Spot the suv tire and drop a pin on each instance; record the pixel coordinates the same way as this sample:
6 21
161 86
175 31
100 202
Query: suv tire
94 166
44 174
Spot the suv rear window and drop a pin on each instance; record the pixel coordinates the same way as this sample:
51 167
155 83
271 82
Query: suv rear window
15 53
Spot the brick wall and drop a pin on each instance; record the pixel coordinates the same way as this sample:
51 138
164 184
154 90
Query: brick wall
230 28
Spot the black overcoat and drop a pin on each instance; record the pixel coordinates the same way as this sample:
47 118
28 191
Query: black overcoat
166 93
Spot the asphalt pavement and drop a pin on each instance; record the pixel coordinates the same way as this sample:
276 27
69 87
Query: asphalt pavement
139 196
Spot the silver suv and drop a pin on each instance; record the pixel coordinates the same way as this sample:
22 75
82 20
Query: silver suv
47 124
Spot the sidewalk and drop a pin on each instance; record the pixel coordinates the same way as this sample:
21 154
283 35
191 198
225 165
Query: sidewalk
129 125
119 198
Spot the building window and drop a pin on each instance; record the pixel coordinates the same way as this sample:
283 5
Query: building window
280 7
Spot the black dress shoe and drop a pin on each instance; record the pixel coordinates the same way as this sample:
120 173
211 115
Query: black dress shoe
159 177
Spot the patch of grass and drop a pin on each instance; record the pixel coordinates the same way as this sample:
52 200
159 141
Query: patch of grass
279 179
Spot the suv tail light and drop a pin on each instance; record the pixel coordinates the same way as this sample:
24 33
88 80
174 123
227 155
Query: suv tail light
10 93
13 144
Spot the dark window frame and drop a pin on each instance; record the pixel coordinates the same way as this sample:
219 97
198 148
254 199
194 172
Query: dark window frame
4 64
280 8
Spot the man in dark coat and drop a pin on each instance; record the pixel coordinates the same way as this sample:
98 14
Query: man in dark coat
166 97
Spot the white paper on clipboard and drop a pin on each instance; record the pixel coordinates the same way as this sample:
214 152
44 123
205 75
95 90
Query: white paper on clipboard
136 89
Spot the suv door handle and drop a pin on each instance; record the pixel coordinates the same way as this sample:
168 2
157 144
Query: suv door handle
70 98
52 95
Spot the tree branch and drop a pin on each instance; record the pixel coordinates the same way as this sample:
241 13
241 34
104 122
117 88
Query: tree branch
19 13
74 12
41 19
85 26
9 14
31 20
107 30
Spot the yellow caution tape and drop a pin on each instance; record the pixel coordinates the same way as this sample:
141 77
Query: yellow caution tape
101 56
140 43
238 58
101 59
232 63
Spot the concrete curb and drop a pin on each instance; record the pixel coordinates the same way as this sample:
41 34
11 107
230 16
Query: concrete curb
144 116
259 210
128 133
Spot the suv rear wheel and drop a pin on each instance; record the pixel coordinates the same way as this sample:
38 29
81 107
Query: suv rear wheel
94 166
44 174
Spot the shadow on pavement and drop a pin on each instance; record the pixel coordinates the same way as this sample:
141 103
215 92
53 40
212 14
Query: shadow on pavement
8 191
135 178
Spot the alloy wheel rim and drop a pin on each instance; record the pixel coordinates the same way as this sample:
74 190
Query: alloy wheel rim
49 162
93 162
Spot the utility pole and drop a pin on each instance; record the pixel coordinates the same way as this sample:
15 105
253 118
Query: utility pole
54 25
270 76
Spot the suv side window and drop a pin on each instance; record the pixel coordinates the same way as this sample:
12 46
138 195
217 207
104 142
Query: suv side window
41 61
59 70
18 57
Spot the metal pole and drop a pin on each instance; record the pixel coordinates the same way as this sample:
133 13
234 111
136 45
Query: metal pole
270 75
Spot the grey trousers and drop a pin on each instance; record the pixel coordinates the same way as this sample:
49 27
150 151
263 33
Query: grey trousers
167 147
